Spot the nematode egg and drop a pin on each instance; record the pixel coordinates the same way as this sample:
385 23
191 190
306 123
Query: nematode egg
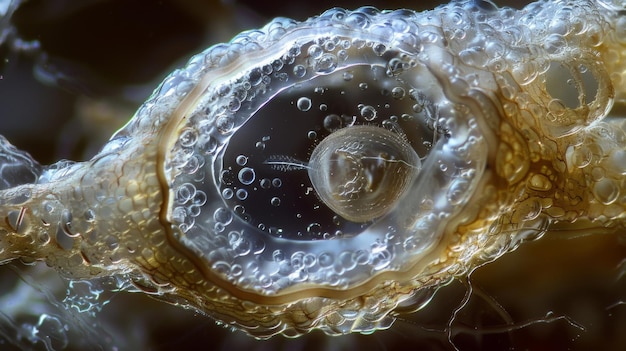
433 142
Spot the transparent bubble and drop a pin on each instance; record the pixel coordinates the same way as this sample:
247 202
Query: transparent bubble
241 194
325 259
188 137
227 193
275 201
223 215
304 104
277 183
326 64
315 51
369 113
332 122
266 183
247 175
225 124
299 71
379 49
398 93
242 160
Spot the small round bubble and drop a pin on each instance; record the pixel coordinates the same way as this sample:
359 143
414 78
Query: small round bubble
332 122
246 175
277 183
266 183
315 51
299 71
223 215
326 64
242 194
224 124
188 138
398 93
241 160
369 113
304 104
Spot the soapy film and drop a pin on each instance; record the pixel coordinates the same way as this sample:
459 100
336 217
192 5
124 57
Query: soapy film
504 155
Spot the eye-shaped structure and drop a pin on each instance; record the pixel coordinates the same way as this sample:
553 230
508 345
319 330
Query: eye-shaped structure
433 142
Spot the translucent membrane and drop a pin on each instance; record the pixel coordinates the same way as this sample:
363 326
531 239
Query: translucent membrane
318 175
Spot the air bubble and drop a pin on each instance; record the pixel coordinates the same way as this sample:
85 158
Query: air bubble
234 105
227 177
379 49
224 124
275 201
304 104
398 93
315 51
347 76
314 228
369 113
242 194
255 77
326 64
363 86
185 192
277 183
265 183
246 175
325 259
299 71
342 55
223 215
311 135
227 193
241 160
332 122
606 191
188 138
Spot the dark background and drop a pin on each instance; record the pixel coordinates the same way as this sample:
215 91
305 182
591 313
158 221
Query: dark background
99 59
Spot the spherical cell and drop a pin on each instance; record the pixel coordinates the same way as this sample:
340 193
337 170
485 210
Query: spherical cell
361 172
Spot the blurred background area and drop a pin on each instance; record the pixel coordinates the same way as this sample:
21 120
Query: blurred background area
73 72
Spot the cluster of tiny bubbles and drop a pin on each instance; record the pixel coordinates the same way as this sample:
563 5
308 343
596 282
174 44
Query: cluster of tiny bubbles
188 203
186 160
